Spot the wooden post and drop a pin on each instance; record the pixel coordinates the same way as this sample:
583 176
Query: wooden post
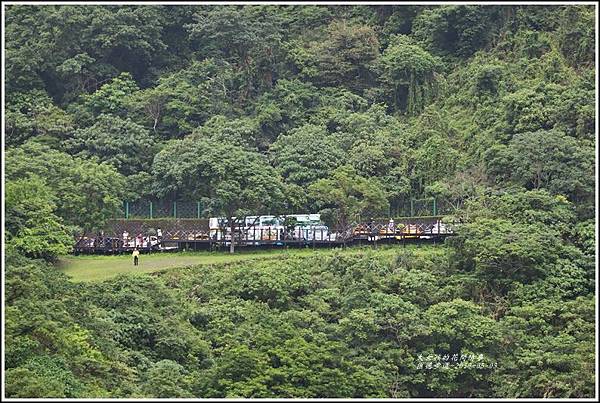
126 210
174 209
150 210
434 207
198 208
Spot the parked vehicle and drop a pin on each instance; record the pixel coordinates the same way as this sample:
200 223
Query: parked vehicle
296 227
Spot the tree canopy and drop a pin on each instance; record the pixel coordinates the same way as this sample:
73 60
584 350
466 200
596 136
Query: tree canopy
351 111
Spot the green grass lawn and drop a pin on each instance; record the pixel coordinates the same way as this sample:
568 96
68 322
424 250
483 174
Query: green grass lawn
100 267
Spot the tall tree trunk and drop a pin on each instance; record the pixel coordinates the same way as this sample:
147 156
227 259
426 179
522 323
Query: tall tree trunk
231 244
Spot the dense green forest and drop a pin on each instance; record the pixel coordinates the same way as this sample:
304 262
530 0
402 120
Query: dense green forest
344 110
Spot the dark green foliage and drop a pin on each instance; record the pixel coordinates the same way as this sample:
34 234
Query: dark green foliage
87 193
31 224
501 251
547 160
185 99
332 325
343 59
231 180
166 379
111 97
306 154
249 38
229 177
346 110
33 114
81 46
475 78
409 71
122 143
576 36
349 196
551 341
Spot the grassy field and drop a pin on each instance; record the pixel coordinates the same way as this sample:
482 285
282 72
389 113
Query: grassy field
99 267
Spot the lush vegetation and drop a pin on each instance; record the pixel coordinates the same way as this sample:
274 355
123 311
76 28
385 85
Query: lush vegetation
327 324
351 110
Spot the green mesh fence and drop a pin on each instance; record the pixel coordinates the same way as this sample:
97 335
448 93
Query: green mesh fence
144 209
139 209
187 210
422 207
161 209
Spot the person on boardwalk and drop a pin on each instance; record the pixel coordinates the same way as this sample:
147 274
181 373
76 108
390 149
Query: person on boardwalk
135 254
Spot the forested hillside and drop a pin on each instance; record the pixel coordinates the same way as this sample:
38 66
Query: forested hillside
344 110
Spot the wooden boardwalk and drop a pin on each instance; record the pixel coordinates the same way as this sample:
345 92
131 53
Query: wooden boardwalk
194 234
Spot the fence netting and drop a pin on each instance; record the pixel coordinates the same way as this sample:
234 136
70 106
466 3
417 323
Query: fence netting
150 209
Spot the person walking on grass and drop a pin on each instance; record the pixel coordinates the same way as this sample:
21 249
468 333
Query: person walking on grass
135 254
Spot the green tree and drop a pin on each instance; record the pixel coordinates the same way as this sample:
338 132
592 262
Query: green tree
435 160
247 37
545 160
489 109
410 73
43 376
242 132
231 180
502 252
350 195
81 47
460 327
31 223
575 35
122 143
288 105
111 97
548 349
33 114
343 58
87 192
457 30
382 154
49 354
185 99
306 154
166 379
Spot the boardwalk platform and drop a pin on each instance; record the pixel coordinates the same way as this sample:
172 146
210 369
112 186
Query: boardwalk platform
195 235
